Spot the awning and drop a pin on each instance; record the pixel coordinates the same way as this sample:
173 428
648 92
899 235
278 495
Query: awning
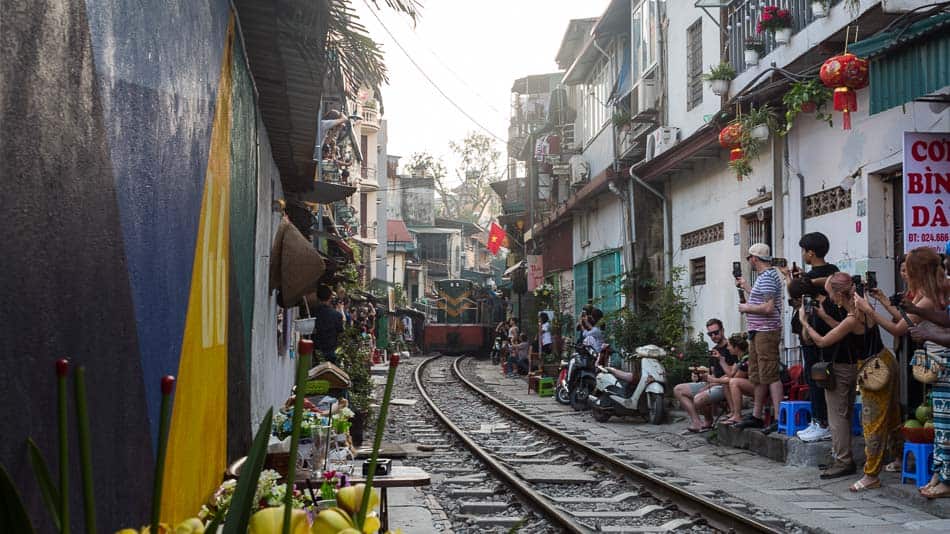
365 240
327 193
886 41
624 81
520 265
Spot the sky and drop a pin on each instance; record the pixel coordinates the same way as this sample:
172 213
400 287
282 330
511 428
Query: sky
473 51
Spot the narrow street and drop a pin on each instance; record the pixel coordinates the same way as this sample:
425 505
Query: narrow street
422 266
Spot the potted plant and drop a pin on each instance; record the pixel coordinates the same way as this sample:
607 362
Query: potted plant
776 21
621 119
719 78
759 122
819 8
805 97
754 49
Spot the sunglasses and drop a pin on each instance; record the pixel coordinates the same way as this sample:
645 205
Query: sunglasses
714 333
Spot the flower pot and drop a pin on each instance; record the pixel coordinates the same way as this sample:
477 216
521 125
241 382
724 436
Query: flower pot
719 87
760 132
783 35
808 107
751 57
818 10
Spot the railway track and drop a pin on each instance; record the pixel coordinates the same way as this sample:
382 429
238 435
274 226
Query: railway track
572 485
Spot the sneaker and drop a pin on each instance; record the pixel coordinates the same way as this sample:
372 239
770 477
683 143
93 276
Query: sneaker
820 434
751 422
807 430
771 428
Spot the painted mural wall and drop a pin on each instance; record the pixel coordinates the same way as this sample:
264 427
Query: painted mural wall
138 224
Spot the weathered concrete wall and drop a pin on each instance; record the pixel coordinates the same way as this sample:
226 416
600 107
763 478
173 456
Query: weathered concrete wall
134 243
418 201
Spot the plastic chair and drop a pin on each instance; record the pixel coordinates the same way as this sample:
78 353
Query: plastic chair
856 427
793 416
922 453
533 380
546 387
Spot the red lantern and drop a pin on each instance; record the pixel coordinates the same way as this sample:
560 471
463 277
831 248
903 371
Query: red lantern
845 73
731 137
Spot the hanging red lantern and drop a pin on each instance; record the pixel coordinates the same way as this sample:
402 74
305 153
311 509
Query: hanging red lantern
731 137
845 73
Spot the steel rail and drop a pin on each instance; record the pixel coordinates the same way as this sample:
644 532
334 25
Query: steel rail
716 515
540 502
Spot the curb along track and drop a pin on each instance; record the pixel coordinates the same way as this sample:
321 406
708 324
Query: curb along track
607 494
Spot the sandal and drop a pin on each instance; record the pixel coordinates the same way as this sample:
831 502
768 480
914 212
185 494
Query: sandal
860 486
930 493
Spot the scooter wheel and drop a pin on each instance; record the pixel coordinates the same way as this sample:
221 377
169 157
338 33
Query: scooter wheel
562 395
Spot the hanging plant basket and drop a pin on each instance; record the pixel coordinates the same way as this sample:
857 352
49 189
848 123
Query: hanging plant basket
719 87
751 57
783 36
760 132
845 74
809 107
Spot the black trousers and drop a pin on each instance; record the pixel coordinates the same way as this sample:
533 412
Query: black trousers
819 408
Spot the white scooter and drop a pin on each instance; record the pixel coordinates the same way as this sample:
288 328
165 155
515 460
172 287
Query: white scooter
621 393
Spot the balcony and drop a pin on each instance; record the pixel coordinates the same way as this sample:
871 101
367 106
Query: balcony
743 16
370 123
368 179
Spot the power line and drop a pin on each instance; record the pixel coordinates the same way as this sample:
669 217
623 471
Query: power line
426 76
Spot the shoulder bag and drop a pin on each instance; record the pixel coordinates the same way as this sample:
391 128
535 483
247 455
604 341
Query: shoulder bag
822 372
926 367
874 374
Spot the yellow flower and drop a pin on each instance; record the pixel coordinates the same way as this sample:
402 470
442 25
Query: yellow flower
271 521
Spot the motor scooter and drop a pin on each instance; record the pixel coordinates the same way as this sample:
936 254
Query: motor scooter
639 393
582 374
562 392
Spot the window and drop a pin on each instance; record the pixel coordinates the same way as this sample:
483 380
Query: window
596 92
694 64
363 213
644 30
584 230
697 271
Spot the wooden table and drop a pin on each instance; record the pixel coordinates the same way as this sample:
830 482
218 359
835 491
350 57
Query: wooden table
401 477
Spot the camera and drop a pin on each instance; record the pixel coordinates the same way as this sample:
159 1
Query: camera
779 262
737 269
897 299
858 284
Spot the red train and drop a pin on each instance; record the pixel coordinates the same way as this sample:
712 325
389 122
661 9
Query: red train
463 320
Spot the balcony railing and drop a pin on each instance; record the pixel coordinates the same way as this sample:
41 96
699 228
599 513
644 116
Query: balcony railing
744 15
368 174
370 119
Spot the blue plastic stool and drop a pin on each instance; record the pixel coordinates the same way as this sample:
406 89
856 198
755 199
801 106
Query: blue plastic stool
923 458
856 427
793 416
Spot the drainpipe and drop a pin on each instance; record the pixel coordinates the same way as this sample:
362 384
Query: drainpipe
667 226
625 217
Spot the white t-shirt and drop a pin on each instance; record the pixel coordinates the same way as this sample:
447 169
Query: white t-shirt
594 338
546 334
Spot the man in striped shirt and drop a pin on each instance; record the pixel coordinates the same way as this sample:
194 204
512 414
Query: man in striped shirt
764 319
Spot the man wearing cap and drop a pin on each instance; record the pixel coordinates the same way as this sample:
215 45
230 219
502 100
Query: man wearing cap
764 320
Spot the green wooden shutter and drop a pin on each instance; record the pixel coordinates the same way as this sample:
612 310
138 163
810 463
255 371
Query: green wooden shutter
581 290
607 281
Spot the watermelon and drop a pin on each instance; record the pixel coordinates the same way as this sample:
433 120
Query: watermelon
913 423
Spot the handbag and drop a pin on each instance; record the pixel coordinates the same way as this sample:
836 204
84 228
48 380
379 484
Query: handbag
822 374
874 374
926 367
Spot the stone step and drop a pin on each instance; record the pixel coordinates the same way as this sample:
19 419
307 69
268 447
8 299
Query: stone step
483 507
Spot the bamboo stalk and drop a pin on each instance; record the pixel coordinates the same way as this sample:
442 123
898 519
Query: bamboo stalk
304 351
62 369
85 452
168 385
378 438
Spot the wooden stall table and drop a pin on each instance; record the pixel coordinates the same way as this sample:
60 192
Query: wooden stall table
401 477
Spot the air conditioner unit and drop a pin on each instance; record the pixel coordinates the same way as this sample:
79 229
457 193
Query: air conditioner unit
646 95
661 140
580 170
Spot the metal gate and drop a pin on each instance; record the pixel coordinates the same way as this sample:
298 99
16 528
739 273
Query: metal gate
758 229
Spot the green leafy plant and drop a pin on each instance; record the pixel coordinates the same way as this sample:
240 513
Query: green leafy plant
620 118
723 71
755 117
355 357
741 166
802 95
755 44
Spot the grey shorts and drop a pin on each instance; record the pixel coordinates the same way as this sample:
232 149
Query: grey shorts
716 393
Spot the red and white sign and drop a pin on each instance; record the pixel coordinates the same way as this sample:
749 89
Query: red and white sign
535 272
926 190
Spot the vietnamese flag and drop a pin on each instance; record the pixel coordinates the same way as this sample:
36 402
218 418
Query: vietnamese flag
496 235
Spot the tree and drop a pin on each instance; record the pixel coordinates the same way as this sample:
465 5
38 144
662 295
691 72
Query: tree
467 196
